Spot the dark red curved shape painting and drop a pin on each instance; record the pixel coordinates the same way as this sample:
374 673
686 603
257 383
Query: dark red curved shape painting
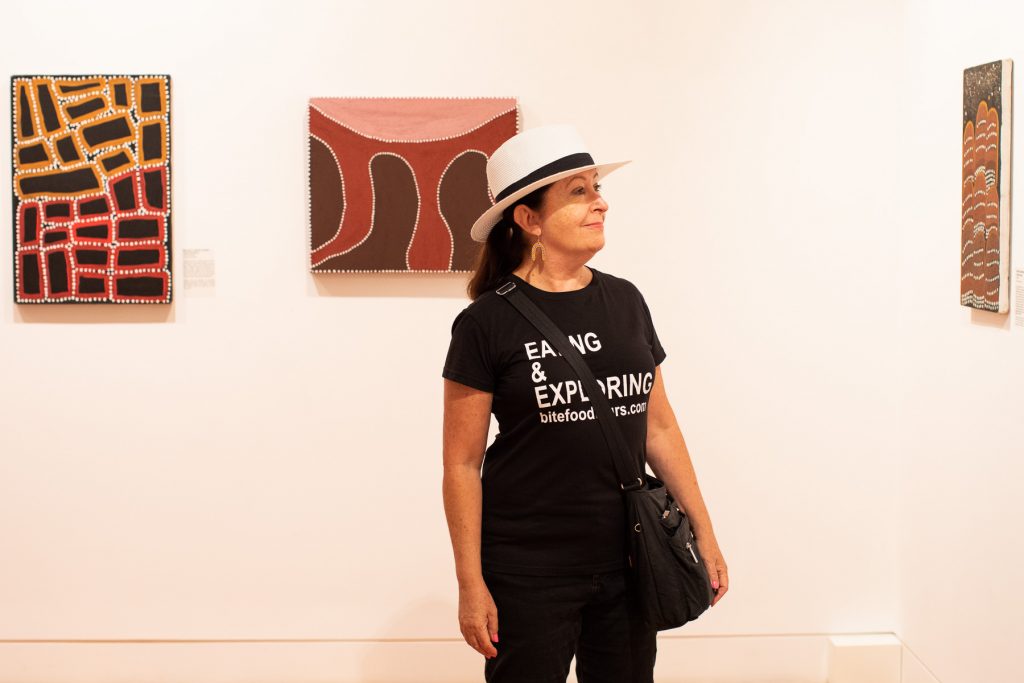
396 183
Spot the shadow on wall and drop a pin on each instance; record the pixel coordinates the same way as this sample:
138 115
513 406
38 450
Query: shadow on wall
988 319
94 313
426 285
433 660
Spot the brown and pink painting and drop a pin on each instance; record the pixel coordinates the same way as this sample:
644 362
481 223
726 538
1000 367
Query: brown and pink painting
396 183
985 210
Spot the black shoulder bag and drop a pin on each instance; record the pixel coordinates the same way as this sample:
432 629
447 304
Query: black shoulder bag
671 581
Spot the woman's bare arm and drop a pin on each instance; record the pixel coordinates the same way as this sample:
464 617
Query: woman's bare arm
670 460
467 415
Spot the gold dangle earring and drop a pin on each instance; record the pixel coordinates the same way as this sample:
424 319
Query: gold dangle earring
533 254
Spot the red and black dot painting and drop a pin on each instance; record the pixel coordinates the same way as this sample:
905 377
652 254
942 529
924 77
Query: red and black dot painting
395 183
91 159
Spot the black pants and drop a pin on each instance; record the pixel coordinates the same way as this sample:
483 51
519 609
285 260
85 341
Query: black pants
544 620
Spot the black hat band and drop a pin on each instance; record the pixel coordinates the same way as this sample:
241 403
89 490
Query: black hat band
567 163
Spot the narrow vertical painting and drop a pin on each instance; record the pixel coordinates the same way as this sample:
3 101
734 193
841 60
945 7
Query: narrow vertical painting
396 183
985 212
92 188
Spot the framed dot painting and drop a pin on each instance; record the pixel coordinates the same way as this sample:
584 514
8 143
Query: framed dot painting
91 160
395 183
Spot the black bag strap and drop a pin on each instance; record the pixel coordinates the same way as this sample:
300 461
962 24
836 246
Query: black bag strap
625 465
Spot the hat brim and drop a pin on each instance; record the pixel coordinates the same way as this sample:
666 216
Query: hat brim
482 227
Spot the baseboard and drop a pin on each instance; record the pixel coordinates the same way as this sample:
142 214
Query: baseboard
742 659
800 658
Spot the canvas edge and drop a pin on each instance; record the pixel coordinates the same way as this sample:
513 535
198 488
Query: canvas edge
1006 188
170 201
309 189
14 195
963 99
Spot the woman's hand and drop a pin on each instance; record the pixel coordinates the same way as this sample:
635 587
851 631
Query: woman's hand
478 618
715 563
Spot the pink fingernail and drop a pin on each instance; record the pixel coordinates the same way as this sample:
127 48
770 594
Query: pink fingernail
714 584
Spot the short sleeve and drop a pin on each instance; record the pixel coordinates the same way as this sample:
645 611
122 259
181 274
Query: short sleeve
652 335
469 359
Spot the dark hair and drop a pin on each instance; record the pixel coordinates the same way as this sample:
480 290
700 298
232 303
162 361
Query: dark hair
504 249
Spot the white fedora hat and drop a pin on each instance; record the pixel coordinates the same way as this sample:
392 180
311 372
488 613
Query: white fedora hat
534 158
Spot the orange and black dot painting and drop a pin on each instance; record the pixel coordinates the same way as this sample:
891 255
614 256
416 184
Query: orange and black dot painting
985 214
92 189
395 184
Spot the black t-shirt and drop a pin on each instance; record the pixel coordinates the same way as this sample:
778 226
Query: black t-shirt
551 499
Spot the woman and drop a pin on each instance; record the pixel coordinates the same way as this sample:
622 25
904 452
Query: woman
538 536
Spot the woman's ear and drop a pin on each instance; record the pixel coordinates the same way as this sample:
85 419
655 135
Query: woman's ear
527 219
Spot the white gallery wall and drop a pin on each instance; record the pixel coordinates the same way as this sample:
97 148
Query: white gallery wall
961 433
251 480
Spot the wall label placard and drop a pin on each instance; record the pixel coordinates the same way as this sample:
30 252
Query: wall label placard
200 272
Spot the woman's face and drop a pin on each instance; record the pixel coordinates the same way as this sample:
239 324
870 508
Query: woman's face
570 220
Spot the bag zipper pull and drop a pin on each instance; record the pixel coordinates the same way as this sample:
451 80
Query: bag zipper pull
689 546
